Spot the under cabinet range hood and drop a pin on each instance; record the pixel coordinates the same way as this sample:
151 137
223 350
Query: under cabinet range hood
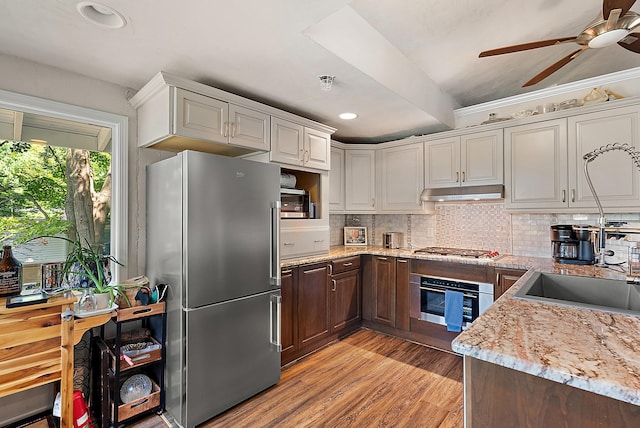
470 193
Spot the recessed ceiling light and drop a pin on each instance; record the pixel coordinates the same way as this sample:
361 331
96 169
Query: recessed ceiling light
347 116
100 14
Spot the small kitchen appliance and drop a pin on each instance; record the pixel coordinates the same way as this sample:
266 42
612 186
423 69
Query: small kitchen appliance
393 239
572 244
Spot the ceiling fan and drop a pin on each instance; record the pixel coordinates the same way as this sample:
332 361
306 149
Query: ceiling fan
615 25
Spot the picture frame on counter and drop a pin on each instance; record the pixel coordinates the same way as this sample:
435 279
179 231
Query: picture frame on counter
355 236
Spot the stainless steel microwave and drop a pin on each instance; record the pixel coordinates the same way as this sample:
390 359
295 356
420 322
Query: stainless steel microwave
295 203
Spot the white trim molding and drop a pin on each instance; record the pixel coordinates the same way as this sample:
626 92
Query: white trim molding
119 159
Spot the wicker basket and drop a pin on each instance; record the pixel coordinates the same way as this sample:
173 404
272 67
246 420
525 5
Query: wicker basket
131 288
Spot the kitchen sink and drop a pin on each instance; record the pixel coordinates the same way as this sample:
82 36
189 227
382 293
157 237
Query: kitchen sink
592 293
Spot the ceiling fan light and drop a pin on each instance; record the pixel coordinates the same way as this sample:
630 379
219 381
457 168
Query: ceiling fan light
608 38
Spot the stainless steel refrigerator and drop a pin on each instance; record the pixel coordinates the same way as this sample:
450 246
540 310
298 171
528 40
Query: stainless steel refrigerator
212 236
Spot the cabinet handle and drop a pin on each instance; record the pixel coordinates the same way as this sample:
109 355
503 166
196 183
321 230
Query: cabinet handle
457 177
233 129
403 261
573 195
333 288
307 156
286 272
330 268
564 196
289 244
317 241
382 258
347 264
373 202
226 129
464 178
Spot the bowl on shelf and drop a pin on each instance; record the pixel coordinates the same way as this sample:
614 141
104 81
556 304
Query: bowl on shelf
134 388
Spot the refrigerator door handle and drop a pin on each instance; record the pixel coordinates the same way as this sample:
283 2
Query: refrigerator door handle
275 276
275 322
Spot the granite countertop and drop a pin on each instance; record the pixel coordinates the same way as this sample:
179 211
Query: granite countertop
592 350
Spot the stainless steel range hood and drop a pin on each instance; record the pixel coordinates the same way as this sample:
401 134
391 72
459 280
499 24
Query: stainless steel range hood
470 193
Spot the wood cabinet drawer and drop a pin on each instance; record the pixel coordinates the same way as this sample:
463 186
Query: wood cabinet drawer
345 264
300 242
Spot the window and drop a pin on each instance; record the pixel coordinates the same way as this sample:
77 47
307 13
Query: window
118 126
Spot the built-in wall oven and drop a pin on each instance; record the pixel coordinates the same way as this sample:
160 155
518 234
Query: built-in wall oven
478 296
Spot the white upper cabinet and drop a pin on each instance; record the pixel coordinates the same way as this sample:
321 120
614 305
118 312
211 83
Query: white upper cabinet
178 114
544 166
207 119
249 128
442 162
614 176
360 179
536 165
336 181
465 160
287 140
200 117
401 177
299 145
317 149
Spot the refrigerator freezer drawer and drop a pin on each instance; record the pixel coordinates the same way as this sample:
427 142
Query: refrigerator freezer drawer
230 355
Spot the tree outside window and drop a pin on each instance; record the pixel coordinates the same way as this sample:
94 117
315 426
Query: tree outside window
47 191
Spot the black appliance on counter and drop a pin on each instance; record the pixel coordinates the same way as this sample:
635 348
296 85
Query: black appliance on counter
573 244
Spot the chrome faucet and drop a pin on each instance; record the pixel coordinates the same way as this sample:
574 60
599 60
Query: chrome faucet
590 157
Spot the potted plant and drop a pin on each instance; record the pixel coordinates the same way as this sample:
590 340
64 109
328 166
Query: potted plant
84 268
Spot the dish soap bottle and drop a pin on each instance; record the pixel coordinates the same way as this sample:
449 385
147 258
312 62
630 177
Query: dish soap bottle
10 273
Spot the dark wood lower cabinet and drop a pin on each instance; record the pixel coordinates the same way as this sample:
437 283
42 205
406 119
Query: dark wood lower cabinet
505 278
288 326
313 304
383 291
318 307
497 396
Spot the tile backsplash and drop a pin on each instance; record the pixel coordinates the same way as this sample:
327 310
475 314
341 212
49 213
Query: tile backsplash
475 225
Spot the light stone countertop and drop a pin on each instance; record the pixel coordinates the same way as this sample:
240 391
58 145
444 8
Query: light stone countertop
592 350
588 349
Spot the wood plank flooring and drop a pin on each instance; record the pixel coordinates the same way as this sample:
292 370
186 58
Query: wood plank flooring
365 380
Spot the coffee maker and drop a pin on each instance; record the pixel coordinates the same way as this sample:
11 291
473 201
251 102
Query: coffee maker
573 244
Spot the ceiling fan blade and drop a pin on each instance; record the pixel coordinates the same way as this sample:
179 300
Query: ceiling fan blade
613 19
631 42
609 5
554 67
526 46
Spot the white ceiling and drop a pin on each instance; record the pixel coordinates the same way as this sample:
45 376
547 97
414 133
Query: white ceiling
401 65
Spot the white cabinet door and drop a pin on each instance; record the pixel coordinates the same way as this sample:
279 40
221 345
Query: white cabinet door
336 180
317 149
286 141
401 172
614 175
536 165
200 117
442 163
249 128
360 189
482 158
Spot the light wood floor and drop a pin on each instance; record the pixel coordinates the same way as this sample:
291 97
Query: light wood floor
365 380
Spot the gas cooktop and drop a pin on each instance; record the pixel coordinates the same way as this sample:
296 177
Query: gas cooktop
461 252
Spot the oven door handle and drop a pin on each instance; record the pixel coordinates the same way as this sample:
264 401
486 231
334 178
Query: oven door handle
437 290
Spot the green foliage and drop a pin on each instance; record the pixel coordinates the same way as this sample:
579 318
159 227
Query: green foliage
20 229
33 189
